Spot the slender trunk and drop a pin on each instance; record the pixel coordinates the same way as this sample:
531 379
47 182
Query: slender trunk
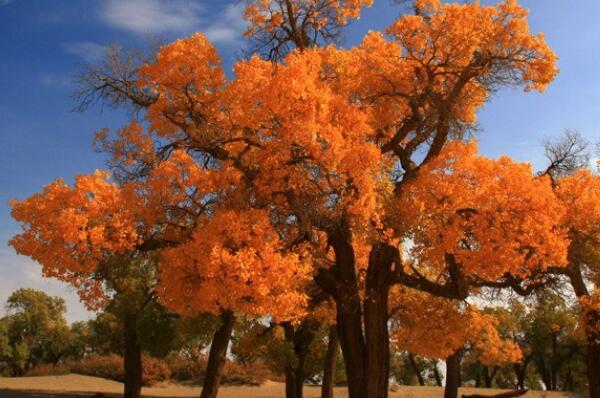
413 364
301 337
489 376
592 318
132 359
217 355
478 379
330 363
453 374
381 259
290 373
521 371
593 354
436 375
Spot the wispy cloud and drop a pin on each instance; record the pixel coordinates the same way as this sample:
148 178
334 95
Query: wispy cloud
55 81
152 17
5 2
86 50
227 26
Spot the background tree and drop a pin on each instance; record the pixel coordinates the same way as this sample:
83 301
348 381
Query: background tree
34 331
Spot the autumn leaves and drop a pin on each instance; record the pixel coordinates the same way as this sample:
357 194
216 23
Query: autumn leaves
335 172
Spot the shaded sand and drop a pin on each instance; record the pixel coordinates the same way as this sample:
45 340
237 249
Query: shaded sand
76 386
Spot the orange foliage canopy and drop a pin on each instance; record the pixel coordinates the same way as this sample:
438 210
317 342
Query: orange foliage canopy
486 217
245 169
417 329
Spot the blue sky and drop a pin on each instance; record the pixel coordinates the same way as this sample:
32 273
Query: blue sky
43 43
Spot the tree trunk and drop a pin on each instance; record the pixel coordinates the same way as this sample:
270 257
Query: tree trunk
381 259
489 377
349 316
330 363
132 359
521 371
217 355
593 355
413 364
592 336
453 374
436 375
301 338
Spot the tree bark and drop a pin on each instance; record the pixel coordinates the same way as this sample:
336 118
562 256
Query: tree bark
453 374
349 314
301 338
132 359
381 259
217 355
413 364
330 363
592 335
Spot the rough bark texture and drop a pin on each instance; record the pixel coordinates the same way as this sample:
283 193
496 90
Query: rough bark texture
330 363
132 360
349 316
453 374
366 353
217 355
381 259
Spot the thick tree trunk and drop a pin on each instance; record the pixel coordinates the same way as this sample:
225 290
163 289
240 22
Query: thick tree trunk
349 314
413 364
379 272
217 355
453 374
330 363
132 359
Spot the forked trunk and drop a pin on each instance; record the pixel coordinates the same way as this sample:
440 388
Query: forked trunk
132 359
453 374
217 355
330 363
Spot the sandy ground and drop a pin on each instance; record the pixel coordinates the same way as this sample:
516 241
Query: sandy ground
76 386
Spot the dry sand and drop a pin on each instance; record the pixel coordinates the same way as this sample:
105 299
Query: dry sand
76 386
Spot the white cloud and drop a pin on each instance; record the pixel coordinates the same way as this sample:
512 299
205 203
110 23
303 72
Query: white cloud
87 50
228 26
151 17
21 272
